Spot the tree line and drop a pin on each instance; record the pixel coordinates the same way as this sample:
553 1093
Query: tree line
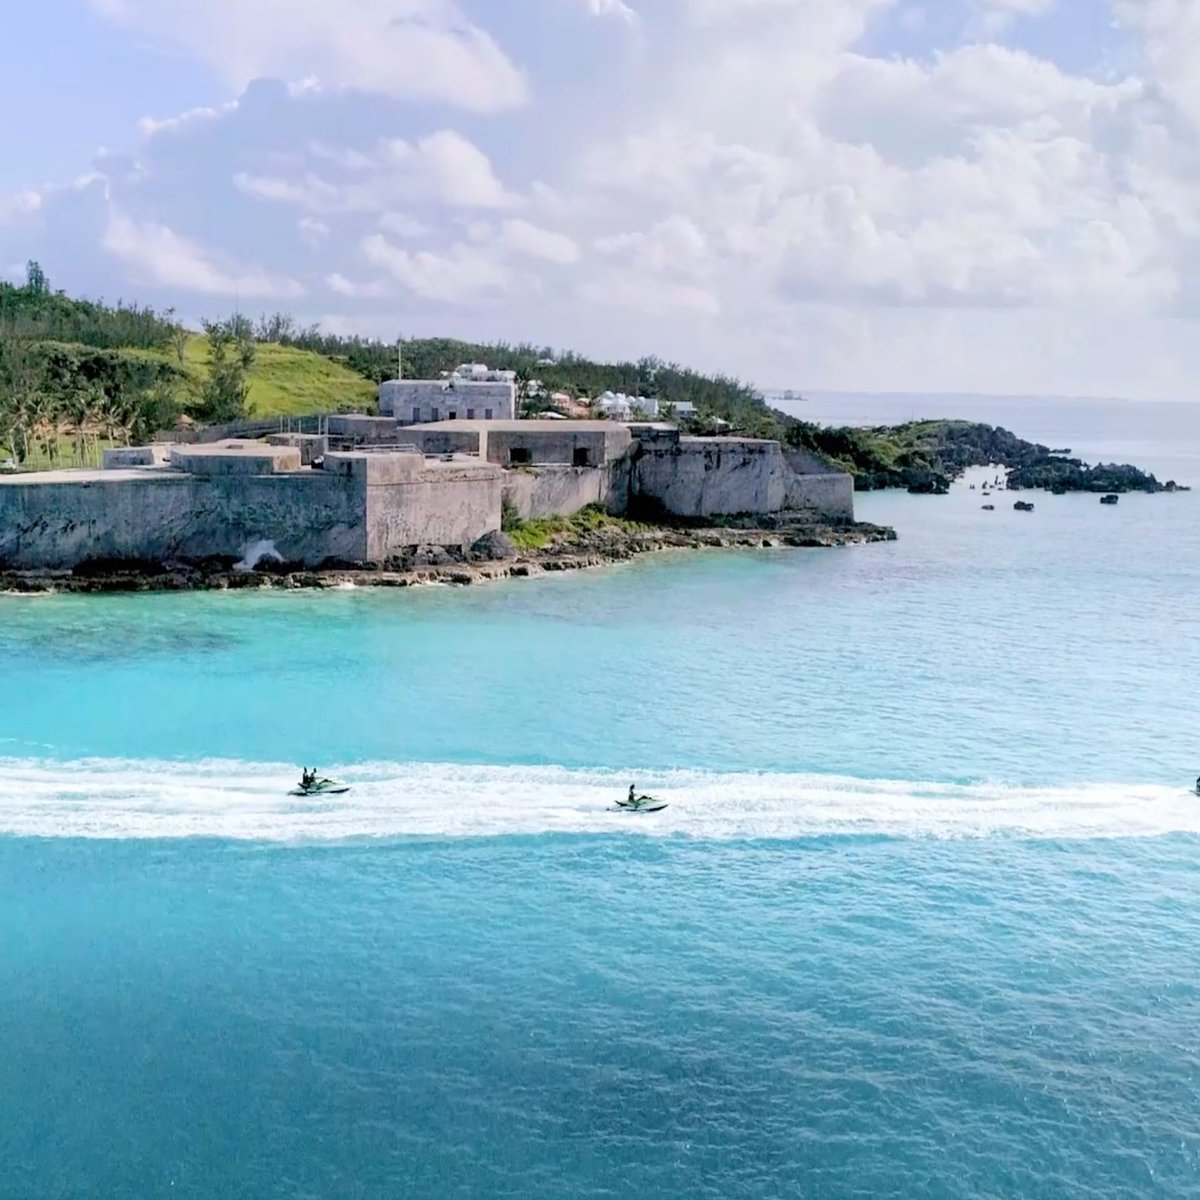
426 358
75 374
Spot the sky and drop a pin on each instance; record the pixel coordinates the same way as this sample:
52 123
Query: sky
984 196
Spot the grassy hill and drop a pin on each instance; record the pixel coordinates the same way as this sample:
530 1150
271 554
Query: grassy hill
289 382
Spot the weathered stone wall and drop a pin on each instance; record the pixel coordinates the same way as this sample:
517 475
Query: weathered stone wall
167 515
815 489
311 445
358 430
447 439
448 505
363 508
708 477
547 442
825 498
232 458
136 456
562 491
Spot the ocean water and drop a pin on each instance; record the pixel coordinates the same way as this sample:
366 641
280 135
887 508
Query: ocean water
921 919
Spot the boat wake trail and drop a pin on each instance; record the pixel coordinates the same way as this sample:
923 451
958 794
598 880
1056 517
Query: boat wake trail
108 798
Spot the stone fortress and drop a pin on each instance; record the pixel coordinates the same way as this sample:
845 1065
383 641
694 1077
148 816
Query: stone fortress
366 489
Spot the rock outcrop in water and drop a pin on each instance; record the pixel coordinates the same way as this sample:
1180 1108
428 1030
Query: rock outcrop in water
1061 475
926 456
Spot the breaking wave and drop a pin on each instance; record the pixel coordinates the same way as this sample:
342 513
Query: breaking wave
108 798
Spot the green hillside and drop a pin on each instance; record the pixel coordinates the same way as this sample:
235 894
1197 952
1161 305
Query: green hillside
79 375
288 382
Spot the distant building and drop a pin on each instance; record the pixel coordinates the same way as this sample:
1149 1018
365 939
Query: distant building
473 392
479 373
620 407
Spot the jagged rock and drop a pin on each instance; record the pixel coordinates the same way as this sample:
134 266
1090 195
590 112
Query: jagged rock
494 547
433 556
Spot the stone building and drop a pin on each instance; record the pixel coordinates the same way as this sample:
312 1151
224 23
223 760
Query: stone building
472 393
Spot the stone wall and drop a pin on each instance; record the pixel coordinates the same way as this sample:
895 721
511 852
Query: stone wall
562 491
825 498
311 445
444 439
709 477
815 489
567 443
163 515
363 508
454 507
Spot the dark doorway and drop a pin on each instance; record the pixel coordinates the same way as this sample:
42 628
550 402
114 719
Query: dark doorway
519 456
582 457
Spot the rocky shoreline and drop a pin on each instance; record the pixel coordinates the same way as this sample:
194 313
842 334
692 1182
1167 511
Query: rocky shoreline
493 558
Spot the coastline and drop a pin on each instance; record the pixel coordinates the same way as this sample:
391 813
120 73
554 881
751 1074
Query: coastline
596 548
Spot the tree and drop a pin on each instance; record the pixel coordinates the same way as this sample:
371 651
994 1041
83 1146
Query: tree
36 282
20 387
226 391
179 343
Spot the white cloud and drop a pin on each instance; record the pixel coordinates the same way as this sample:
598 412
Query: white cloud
156 254
994 17
852 214
152 126
532 241
464 275
443 168
18 205
373 290
453 169
402 225
420 49
312 232
613 8
650 296
674 244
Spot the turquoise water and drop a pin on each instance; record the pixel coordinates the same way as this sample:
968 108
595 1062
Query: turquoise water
920 920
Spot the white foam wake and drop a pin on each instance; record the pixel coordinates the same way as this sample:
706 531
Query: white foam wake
141 799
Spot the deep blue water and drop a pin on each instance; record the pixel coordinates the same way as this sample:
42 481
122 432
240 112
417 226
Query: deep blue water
921 919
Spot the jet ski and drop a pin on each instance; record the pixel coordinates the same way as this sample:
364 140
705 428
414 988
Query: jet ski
641 804
320 787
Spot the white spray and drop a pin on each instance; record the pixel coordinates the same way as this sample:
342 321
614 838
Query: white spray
255 552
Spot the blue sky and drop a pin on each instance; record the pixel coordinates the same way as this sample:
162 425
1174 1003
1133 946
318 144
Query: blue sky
975 195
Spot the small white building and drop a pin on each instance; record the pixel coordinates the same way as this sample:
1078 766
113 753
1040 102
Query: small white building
481 373
619 407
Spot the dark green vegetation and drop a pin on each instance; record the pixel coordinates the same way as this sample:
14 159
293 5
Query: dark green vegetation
925 456
78 374
1061 475
581 378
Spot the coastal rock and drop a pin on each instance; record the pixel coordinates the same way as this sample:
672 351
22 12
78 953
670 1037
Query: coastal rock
433 556
582 549
494 547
